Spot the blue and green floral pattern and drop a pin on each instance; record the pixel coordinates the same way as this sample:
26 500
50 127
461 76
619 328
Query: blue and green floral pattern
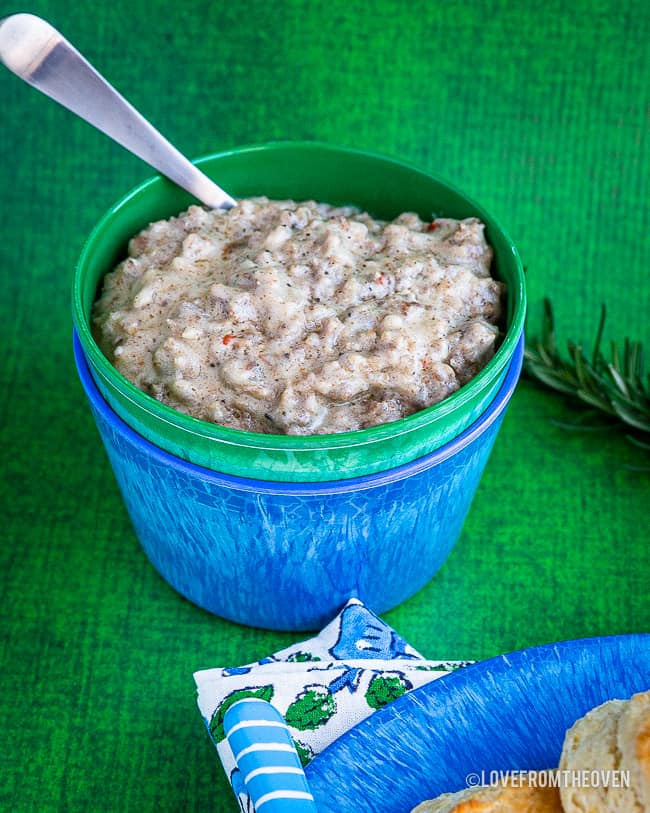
322 686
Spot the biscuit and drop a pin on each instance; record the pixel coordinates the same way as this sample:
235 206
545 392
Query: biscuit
634 745
509 797
613 737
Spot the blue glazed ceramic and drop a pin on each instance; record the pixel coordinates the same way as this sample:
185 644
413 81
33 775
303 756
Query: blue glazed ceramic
288 556
505 714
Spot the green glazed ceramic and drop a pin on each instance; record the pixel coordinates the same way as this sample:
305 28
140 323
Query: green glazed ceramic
299 170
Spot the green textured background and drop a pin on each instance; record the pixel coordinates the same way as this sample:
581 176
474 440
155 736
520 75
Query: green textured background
536 109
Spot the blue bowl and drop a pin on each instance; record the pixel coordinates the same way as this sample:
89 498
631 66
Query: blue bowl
505 715
284 555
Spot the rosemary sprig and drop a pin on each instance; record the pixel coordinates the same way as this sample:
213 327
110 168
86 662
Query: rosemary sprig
617 387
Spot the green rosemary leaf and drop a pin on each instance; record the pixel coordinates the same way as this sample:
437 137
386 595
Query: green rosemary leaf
618 379
631 418
545 356
575 351
595 358
551 378
616 362
618 387
594 400
638 442
636 361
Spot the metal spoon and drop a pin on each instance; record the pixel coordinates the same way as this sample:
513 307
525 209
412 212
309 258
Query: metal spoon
40 55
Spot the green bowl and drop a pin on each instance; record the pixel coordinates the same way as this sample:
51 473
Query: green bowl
299 170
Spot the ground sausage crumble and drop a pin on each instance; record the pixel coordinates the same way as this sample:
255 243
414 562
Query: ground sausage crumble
300 318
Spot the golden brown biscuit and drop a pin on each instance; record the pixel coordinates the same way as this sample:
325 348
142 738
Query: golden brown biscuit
634 745
606 757
514 796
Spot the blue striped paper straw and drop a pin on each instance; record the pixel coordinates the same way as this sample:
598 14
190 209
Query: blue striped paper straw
266 757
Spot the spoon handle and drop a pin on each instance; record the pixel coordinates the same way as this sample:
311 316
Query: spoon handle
37 53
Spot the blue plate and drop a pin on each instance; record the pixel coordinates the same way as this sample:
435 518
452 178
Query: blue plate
508 713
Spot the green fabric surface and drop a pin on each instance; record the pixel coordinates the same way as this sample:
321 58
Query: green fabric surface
537 110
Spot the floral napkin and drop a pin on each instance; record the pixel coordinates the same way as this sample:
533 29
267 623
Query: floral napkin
322 686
